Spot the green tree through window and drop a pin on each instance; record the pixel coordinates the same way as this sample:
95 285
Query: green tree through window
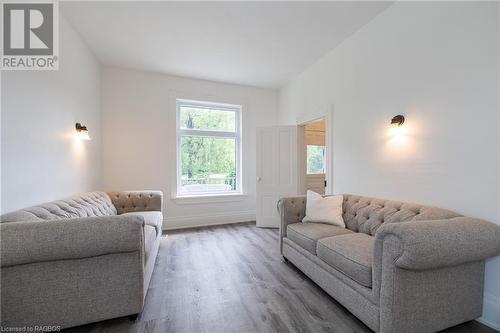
208 148
315 159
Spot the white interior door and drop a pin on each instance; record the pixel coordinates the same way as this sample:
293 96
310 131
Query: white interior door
276 171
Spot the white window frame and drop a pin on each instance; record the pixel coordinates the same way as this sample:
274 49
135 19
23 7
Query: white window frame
208 133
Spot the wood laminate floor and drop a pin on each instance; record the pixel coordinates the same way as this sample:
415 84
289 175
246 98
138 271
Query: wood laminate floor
231 278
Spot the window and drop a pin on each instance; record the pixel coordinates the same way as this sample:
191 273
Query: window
208 148
316 159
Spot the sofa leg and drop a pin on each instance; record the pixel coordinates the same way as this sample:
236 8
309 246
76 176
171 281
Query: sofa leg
285 259
133 317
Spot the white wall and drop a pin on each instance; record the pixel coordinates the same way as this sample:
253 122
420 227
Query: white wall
139 138
40 159
436 63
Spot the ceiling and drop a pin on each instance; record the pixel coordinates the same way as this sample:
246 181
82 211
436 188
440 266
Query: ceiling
262 44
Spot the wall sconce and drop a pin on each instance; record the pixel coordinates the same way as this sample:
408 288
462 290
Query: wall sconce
82 133
397 129
398 120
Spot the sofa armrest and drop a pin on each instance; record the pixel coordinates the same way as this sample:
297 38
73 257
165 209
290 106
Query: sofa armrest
137 201
37 241
441 243
292 210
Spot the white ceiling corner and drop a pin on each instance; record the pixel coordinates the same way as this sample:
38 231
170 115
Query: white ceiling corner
262 44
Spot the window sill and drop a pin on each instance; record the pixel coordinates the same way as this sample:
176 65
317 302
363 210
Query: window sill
208 198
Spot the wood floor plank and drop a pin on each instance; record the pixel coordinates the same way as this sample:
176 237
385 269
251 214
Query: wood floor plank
231 278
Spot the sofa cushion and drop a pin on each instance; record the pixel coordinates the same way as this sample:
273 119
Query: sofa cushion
151 218
91 204
351 254
137 201
307 234
324 209
366 215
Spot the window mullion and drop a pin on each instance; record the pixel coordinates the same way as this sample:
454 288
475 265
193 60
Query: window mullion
219 134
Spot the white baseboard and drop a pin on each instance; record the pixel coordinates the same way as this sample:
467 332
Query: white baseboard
192 221
491 311
269 226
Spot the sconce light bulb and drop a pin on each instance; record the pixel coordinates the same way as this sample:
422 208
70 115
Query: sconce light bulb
83 136
82 132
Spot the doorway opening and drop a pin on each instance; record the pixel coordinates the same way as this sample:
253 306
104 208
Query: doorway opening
312 156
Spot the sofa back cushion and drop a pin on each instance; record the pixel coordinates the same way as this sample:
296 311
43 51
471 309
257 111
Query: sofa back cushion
366 215
136 201
84 205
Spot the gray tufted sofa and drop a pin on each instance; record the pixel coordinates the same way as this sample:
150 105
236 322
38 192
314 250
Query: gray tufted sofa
398 267
79 260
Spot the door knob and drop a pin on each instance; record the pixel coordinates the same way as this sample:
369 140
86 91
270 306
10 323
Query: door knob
259 179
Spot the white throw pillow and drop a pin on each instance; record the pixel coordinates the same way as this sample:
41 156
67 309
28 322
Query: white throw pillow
324 210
